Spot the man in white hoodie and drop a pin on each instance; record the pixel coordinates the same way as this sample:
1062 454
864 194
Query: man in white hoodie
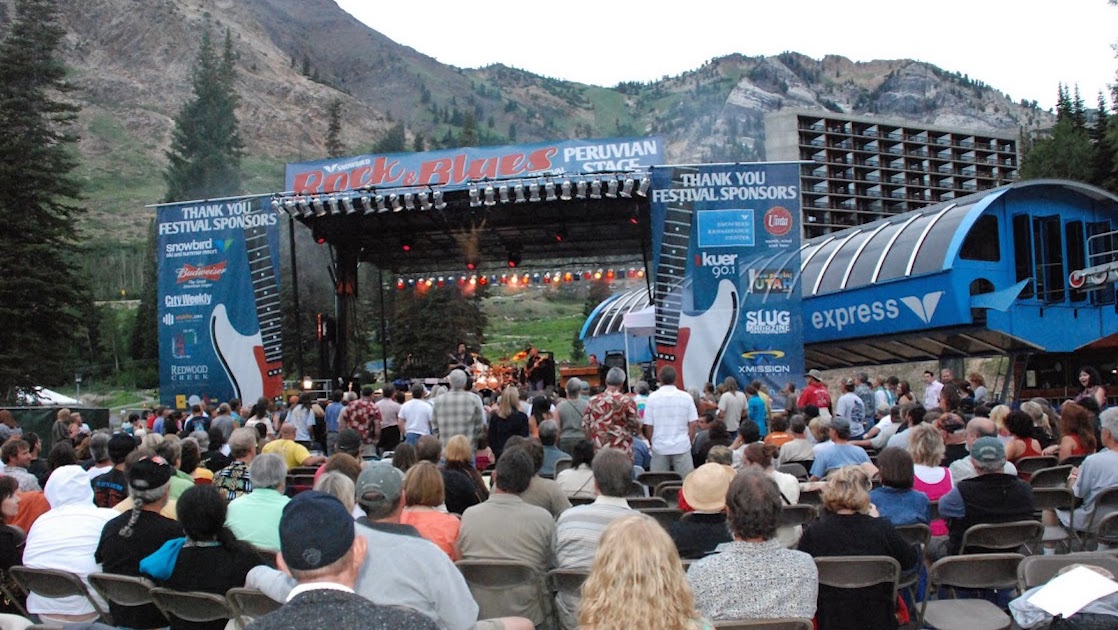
65 538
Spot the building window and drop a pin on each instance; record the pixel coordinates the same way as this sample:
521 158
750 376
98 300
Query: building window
1049 251
1077 256
983 241
1023 253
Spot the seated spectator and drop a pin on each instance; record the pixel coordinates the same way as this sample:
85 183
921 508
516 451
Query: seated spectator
964 468
347 455
507 528
111 487
424 494
637 581
99 461
578 480
327 578
549 438
755 576
704 491
294 453
38 465
991 497
1097 473
66 538
1077 433
840 453
191 460
234 480
216 452
779 436
16 455
1043 431
579 528
170 449
717 436
340 486
1021 443
210 559
953 429
895 500
458 456
850 528
254 517
404 456
12 541
925 445
798 449
913 416
483 455
761 456
138 533
542 492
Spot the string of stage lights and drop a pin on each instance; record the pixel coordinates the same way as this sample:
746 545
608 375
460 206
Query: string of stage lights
517 278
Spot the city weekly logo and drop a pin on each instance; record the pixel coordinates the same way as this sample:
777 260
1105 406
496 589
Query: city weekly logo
168 320
877 311
770 322
719 264
189 299
211 273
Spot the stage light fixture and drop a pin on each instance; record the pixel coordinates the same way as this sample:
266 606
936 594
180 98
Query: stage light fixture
424 200
549 189
561 234
347 203
483 280
610 274
565 190
627 189
289 205
471 263
640 273
475 197
519 190
380 204
409 201
438 197
642 190
634 217
580 189
332 203
503 193
611 188
490 196
407 244
596 188
319 207
399 283
534 192
276 204
394 200
514 257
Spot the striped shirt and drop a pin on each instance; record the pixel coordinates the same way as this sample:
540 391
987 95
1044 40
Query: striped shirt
576 541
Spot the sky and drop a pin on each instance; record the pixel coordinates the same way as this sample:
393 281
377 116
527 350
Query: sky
1024 47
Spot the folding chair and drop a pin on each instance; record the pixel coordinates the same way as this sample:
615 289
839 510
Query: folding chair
811 497
799 514
504 588
915 534
1004 537
1105 503
638 503
1037 570
562 465
122 590
665 516
568 582
796 470
1026 466
856 572
191 605
653 479
986 571
669 491
1052 477
1055 498
637 489
580 500
764 624
1074 460
54 583
249 604
1107 531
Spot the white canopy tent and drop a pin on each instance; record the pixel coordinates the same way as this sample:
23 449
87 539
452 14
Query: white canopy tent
640 323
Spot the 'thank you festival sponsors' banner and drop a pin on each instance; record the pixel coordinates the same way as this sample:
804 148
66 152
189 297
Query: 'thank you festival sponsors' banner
726 254
220 323
460 166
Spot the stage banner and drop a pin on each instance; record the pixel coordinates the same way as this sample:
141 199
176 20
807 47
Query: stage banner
220 320
461 166
726 240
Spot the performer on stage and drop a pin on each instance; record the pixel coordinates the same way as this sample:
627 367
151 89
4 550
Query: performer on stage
462 359
535 368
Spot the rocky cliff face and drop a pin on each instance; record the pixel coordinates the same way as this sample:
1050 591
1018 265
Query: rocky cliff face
131 61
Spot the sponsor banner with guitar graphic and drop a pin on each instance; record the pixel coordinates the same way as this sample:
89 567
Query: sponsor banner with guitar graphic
220 322
726 254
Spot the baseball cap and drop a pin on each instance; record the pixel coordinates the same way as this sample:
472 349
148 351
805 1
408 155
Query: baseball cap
349 441
705 488
383 482
988 450
840 424
150 472
315 531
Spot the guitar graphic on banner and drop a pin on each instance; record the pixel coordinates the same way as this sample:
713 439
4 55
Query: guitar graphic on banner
692 343
254 362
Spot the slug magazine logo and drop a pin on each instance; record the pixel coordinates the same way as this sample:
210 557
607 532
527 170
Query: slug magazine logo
768 322
878 311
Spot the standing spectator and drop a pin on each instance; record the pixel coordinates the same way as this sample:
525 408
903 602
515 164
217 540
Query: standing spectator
389 419
60 430
670 419
815 393
234 480
840 453
1089 379
302 418
895 500
754 576
925 445
571 410
932 389
507 421
905 396
424 492
865 393
458 412
363 416
758 410
640 399
637 581
223 420
197 421
330 418
415 415
507 528
8 426
851 407
254 517
38 466
731 405
138 533
611 418
978 383
886 391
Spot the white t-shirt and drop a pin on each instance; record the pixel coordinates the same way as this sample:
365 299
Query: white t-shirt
732 405
669 411
416 414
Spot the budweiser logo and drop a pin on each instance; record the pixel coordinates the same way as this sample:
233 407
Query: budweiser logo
211 273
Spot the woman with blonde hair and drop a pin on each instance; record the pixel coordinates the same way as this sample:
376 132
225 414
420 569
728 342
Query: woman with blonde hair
637 581
926 446
424 493
998 414
508 420
460 457
850 527
338 484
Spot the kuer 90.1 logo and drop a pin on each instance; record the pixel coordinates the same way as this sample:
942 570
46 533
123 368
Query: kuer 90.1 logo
719 264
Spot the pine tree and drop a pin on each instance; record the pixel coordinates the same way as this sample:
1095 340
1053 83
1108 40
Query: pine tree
392 142
206 147
1103 172
38 318
1078 111
468 136
334 146
144 345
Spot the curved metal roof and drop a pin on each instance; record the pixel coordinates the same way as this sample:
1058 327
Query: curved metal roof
610 314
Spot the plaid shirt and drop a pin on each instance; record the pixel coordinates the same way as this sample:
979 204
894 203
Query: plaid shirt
457 413
363 416
611 420
233 480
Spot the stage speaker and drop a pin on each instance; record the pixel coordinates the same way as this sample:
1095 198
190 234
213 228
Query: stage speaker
614 359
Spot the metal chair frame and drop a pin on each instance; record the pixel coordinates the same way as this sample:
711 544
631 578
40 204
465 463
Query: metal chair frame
977 571
249 604
193 606
54 583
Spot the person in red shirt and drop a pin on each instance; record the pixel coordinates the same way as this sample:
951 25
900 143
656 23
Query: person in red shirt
815 393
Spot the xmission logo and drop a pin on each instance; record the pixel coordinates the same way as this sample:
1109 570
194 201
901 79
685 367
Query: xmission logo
877 311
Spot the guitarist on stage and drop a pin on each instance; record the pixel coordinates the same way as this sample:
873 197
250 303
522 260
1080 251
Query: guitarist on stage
535 368
462 359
